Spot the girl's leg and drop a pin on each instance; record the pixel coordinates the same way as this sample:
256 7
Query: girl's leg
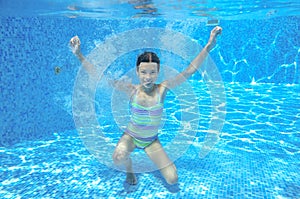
121 156
157 154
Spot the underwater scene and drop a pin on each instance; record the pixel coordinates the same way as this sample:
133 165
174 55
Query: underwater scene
232 129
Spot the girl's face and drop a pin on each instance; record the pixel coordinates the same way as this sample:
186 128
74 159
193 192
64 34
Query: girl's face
147 73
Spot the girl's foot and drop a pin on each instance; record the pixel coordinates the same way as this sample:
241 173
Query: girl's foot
131 179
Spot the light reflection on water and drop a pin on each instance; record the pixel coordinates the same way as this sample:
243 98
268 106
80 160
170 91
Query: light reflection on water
225 10
256 157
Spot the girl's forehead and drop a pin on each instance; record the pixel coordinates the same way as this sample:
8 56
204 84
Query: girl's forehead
148 65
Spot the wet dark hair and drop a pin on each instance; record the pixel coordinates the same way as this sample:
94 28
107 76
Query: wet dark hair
147 57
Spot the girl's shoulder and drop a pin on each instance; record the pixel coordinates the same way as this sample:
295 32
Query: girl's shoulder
162 87
162 90
134 88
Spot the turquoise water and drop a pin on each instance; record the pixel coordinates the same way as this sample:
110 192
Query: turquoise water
256 157
44 154
225 10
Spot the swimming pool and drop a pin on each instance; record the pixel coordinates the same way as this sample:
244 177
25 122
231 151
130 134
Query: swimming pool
257 156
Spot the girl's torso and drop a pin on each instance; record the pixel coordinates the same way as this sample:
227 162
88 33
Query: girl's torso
146 113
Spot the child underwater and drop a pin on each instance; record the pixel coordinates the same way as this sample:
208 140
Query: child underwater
146 104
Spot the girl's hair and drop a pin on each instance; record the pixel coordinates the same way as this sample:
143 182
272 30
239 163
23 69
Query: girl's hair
147 57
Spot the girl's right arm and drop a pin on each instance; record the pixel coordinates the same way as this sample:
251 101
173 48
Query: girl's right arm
120 85
126 87
75 47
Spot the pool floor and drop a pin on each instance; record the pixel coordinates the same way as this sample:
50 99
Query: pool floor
257 157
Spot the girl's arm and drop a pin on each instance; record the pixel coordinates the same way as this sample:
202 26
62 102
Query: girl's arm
90 68
122 85
196 63
75 47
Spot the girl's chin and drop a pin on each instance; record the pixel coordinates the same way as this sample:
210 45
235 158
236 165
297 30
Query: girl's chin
148 85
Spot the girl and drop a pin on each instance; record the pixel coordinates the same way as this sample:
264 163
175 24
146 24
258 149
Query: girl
147 107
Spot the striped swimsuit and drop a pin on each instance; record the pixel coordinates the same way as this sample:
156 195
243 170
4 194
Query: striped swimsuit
145 122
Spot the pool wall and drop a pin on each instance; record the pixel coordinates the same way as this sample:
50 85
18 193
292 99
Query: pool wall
38 70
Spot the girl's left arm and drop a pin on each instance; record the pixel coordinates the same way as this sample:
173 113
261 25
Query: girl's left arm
196 63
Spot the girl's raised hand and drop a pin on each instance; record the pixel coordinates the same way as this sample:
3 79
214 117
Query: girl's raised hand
75 45
213 37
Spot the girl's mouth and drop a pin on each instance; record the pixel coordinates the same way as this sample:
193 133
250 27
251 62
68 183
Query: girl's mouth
147 84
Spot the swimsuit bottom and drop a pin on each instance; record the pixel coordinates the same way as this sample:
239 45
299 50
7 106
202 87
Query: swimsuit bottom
141 144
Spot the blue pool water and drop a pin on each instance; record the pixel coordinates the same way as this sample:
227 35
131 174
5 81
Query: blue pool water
257 157
43 153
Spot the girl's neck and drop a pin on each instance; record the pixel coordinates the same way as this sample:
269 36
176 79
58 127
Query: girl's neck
148 90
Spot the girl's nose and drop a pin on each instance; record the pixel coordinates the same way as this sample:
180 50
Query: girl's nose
148 76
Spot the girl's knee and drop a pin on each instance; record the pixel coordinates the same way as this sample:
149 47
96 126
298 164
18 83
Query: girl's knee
123 149
119 157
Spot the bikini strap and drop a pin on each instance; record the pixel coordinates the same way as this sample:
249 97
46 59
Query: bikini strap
158 94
